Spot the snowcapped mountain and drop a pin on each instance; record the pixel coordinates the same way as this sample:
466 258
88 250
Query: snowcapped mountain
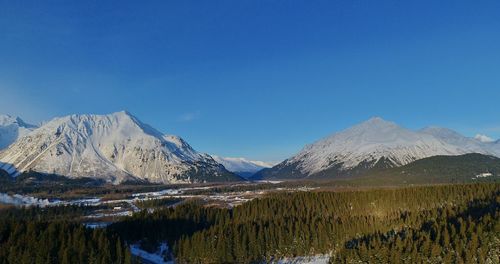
375 143
241 166
114 147
483 138
479 144
12 128
471 145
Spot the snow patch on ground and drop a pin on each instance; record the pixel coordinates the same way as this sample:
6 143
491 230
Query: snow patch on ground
318 259
483 175
268 181
21 200
96 225
156 257
169 192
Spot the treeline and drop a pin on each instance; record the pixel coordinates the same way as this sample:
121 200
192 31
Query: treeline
465 234
50 235
433 224
309 223
155 203
58 242
167 224
59 213
50 185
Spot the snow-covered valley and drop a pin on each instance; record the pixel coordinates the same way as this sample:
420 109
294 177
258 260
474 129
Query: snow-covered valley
126 206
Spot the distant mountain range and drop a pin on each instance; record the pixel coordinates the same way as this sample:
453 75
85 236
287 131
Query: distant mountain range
115 148
374 144
118 148
12 128
241 166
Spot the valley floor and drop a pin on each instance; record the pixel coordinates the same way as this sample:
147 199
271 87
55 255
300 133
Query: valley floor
266 222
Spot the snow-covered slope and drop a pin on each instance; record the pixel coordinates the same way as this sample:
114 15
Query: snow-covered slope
113 147
242 166
479 144
12 128
483 138
496 147
471 145
374 143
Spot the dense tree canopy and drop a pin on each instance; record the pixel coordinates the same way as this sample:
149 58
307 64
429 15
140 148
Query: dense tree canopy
350 226
433 224
50 235
58 242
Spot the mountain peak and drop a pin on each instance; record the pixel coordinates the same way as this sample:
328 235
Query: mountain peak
21 123
11 129
122 122
375 122
6 120
115 147
124 113
241 166
376 119
375 141
373 129
483 138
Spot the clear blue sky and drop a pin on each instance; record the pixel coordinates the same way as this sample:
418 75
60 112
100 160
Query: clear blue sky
257 79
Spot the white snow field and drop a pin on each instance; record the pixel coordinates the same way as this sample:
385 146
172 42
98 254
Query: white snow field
242 166
376 138
11 129
113 147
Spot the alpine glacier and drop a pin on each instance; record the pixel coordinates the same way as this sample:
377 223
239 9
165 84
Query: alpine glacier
374 143
12 128
115 147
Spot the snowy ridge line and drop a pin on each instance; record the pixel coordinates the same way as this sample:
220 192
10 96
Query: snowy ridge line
115 148
11 129
379 140
241 164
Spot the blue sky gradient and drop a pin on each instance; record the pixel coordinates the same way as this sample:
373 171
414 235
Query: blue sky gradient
257 79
